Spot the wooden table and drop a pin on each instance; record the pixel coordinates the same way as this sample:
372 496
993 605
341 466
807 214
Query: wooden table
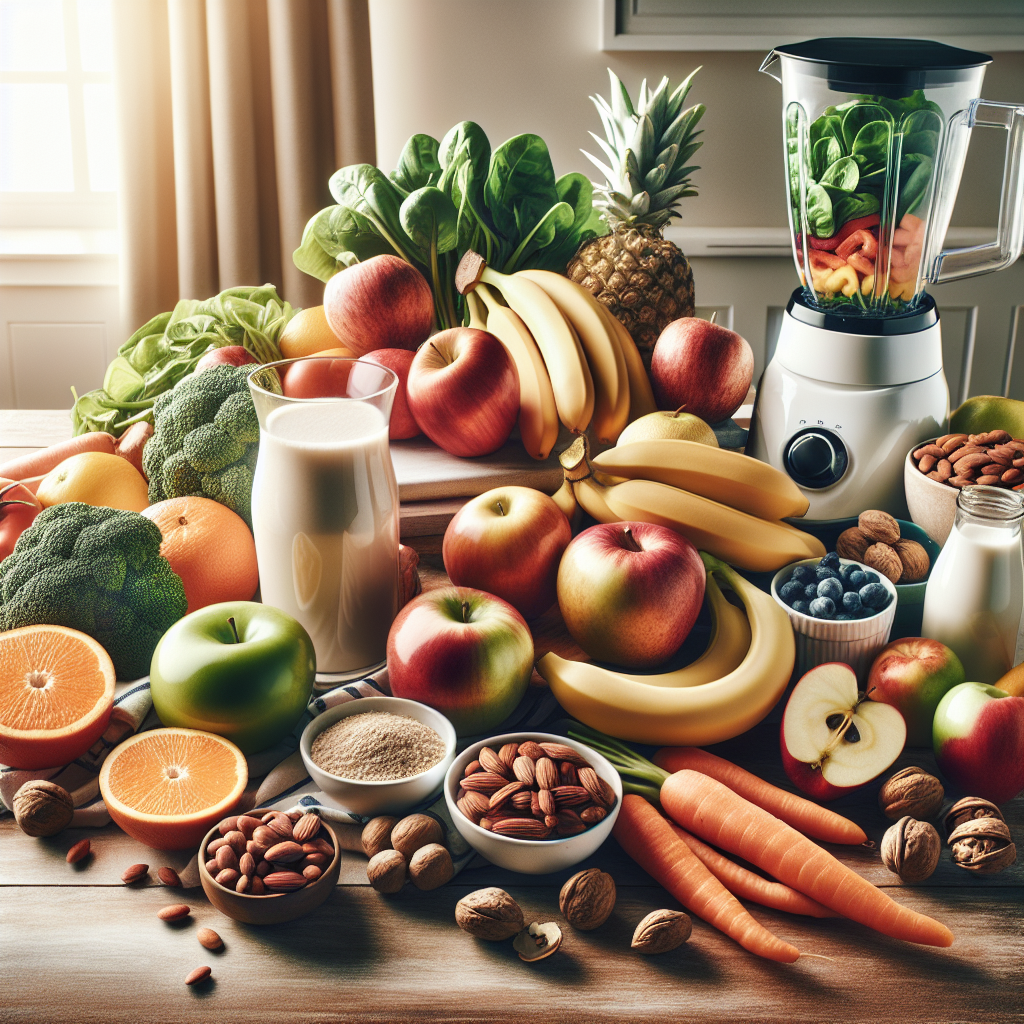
79 946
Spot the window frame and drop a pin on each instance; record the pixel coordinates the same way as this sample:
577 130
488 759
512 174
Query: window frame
82 208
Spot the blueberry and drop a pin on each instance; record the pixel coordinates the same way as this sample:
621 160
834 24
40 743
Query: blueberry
823 608
804 574
852 602
811 591
825 572
847 571
802 606
831 560
832 589
790 591
874 595
857 579
843 617
871 577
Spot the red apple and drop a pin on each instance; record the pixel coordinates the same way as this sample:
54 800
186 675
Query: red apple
18 509
630 592
703 367
833 738
508 541
978 736
383 302
228 355
466 653
912 674
403 424
464 391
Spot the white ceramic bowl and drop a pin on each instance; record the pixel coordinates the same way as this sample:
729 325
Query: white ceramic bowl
854 641
932 505
379 797
532 856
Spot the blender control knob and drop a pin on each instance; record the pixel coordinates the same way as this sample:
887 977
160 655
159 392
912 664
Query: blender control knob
815 458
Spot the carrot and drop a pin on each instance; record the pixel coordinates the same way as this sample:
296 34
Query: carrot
805 816
39 463
746 885
648 838
725 819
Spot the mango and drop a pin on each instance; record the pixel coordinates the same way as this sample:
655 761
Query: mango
988 412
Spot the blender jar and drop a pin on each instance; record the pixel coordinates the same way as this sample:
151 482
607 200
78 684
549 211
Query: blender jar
876 132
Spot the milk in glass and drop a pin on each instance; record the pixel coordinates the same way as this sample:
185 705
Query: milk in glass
325 521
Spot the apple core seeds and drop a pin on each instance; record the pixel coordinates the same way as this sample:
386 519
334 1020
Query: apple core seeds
377 746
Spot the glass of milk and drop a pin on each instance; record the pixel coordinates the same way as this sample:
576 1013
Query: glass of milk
975 594
325 505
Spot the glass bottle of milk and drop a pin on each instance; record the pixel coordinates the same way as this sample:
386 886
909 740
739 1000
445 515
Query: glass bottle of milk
975 595
325 505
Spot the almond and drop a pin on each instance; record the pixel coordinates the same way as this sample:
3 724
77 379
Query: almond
879 526
503 795
490 762
311 872
242 884
227 877
282 853
200 974
547 773
524 770
284 881
226 858
174 912
484 782
169 877
570 796
472 768
563 752
135 873
532 750
508 753
209 939
79 851
228 825
247 864
521 828
306 827
256 887
884 559
247 825
282 826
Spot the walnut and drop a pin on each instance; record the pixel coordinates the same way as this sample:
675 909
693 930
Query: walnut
387 871
377 835
879 526
43 808
662 930
968 809
431 866
852 544
982 845
587 899
415 831
911 849
489 914
914 559
884 559
911 791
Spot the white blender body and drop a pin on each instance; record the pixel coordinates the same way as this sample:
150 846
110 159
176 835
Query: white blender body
876 133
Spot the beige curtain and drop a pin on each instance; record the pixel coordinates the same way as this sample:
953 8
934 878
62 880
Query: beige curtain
232 116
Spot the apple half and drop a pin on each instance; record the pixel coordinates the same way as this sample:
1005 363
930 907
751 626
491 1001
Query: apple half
834 739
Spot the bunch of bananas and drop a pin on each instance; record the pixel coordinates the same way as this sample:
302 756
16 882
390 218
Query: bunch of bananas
577 364
729 689
726 503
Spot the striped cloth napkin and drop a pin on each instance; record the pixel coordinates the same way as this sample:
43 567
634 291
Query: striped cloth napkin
285 785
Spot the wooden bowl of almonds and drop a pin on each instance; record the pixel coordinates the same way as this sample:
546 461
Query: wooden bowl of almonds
267 867
518 838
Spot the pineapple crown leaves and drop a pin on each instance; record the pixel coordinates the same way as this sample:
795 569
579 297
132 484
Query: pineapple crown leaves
647 147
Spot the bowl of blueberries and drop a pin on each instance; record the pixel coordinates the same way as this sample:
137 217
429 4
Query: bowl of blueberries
840 610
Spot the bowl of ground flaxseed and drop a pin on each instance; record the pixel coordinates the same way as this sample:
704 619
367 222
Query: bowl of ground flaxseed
378 755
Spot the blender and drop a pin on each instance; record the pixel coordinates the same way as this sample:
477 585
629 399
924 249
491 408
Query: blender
876 133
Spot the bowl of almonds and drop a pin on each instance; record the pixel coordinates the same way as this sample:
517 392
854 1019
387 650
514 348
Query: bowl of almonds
936 470
266 867
533 802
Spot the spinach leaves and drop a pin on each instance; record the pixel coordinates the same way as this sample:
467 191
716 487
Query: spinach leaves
446 197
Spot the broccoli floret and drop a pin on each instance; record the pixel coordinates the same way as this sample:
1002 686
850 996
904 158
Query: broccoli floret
205 440
98 570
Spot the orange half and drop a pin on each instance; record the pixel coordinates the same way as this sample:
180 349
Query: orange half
56 694
168 787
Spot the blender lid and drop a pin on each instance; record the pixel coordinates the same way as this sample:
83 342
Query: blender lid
873 64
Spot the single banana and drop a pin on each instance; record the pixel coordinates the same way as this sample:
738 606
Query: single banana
538 418
567 367
736 537
604 354
727 646
724 476
566 501
477 311
641 397
685 715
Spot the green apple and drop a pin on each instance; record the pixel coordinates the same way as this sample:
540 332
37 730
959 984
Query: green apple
678 425
240 669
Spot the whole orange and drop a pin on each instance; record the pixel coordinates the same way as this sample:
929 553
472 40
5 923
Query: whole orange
209 547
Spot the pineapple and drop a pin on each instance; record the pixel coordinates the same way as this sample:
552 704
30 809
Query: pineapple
643 279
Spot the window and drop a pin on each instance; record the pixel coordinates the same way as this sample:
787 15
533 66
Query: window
58 161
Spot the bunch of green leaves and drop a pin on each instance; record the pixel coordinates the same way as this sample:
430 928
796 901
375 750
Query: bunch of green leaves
163 351
854 149
445 198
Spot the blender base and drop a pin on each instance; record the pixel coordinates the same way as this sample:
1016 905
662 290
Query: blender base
832 412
